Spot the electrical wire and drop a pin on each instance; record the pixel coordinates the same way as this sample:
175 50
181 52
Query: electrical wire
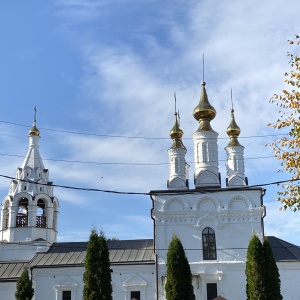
186 192
121 163
132 137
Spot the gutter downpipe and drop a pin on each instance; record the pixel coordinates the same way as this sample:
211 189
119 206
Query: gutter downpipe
154 242
263 192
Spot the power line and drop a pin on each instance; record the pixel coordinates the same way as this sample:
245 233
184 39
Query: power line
186 192
132 137
121 163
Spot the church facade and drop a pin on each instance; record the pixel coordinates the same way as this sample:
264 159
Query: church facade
214 224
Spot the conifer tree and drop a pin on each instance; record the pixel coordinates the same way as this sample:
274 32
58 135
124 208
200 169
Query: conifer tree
179 277
272 277
97 274
24 287
255 287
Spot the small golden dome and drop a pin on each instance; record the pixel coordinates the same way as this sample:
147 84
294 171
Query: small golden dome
204 110
176 134
34 131
233 131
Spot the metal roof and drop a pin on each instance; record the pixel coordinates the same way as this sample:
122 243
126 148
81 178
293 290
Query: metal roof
136 251
121 252
73 253
10 271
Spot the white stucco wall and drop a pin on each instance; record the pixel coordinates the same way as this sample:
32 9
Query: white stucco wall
50 282
289 277
7 290
21 251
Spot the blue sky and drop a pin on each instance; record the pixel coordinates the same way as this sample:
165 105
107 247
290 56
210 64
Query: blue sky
110 68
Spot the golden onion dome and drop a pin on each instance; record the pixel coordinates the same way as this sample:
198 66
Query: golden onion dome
176 134
233 131
204 110
34 131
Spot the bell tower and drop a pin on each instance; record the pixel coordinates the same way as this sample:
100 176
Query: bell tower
30 210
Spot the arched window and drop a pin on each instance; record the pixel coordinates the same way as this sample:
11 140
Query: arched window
40 214
209 244
22 217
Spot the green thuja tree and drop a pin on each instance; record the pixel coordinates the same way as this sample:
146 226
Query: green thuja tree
179 277
255 287
24 287
272 277
97 274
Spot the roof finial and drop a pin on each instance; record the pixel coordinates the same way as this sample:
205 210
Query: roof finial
175 101
231 100
34 120
176 133
203 67
34 130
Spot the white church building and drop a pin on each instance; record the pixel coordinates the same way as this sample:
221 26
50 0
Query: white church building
214 224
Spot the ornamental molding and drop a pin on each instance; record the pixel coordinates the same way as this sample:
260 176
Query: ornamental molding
177 182
205 134
207 200
167 205
209 218
205 177
177 151
20 195
66 283
241 200
134 280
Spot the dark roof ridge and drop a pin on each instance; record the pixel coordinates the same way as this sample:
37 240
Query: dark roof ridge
279 239
283 250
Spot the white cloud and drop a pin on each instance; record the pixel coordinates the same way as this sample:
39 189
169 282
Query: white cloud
131 69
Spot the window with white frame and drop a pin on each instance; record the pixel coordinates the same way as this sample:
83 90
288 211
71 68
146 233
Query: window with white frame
209 244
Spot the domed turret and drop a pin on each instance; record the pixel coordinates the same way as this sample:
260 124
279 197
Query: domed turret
178 168
205 145
176 134
235 156
233 131
34 131
204 112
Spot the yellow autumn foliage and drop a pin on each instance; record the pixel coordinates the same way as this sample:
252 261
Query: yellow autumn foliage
287 149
